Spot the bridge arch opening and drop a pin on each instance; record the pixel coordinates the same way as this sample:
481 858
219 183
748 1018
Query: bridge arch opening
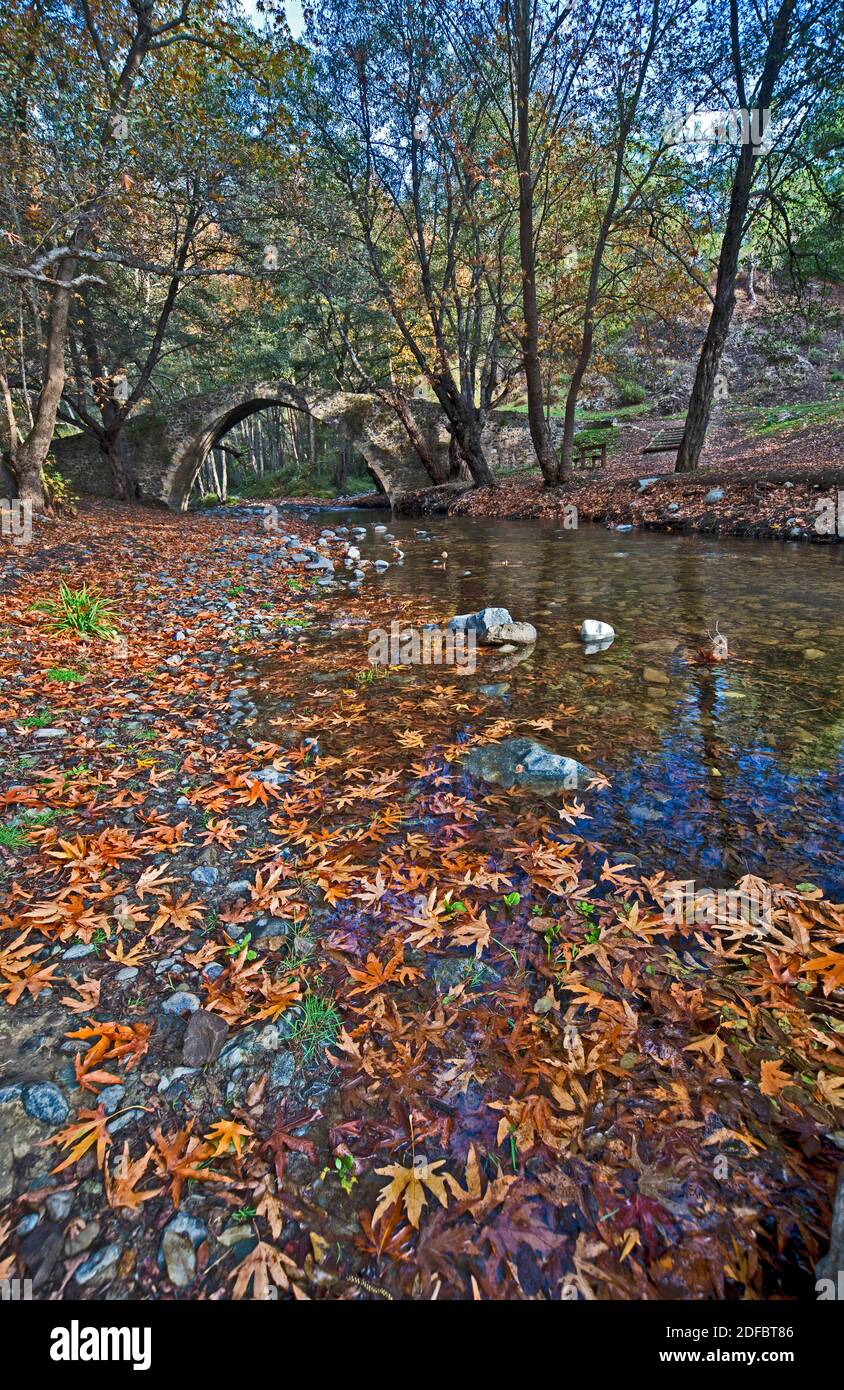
268 446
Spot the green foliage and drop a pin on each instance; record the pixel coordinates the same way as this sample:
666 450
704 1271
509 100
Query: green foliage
370 674
549 936
65 675
631 392
16 832
319 1025
57 489
292 482
81 612
13 836
592 438
799 416
344 1165
37 721
244 1215
267 486
34 819
242 947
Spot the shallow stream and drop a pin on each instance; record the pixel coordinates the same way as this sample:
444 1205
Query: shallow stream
716 770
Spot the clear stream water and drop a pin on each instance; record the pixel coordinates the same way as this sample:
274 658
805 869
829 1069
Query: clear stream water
719 771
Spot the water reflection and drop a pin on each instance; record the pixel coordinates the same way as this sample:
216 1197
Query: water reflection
716 770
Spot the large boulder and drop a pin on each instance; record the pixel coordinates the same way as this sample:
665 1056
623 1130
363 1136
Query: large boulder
494 627
480 622
510 634
521 762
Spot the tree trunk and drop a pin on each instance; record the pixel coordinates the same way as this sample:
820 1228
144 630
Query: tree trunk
312 458
426 457
587 338
539 433
293 444
32 453
467 434
703 390
8 482
115 446
751 279
341 465
111 438
586 349
565 465
215 476
465 429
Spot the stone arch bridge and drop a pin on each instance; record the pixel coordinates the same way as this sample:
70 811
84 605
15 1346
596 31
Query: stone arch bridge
167 447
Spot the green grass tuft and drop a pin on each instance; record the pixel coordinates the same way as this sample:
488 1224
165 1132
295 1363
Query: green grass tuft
800 416
81 612
65 675
319 1026
12 836
41 720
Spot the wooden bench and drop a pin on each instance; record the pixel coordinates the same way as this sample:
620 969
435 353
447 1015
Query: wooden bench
596 454
665 441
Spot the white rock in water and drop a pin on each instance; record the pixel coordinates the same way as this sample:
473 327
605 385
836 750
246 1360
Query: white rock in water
594 631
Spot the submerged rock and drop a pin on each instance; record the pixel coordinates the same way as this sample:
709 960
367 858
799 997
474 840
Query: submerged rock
500 690
511 634
253 1042
270 776
521 762
449 972
282 1070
